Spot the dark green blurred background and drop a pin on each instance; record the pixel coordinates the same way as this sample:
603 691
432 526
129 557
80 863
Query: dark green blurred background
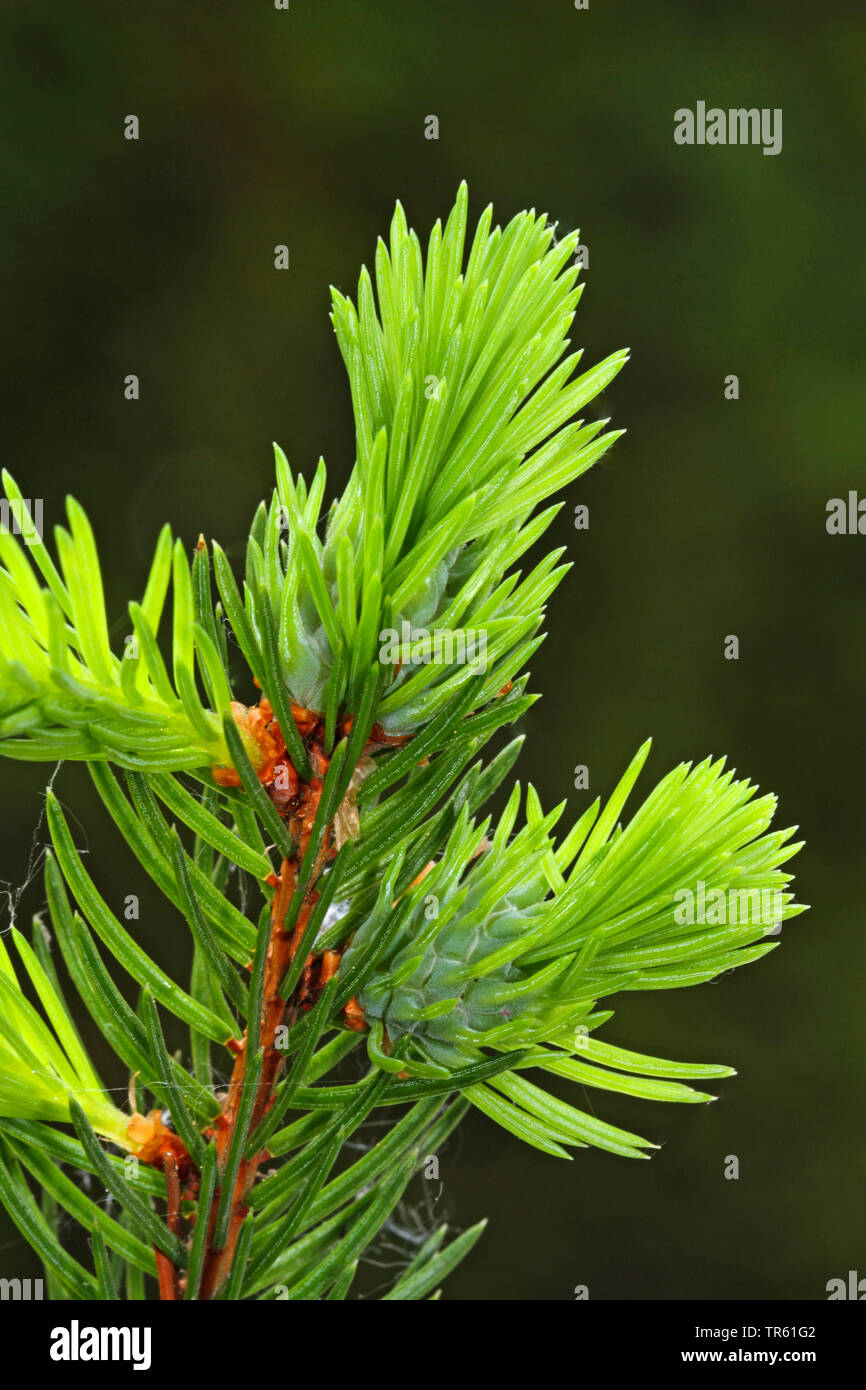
155 257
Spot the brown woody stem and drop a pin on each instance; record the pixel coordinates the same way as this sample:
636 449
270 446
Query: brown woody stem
299 811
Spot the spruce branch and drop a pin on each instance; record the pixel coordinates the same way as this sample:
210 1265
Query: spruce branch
366 941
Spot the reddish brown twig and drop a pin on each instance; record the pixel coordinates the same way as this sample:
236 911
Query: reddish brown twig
169 1285
167 1275
297 803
